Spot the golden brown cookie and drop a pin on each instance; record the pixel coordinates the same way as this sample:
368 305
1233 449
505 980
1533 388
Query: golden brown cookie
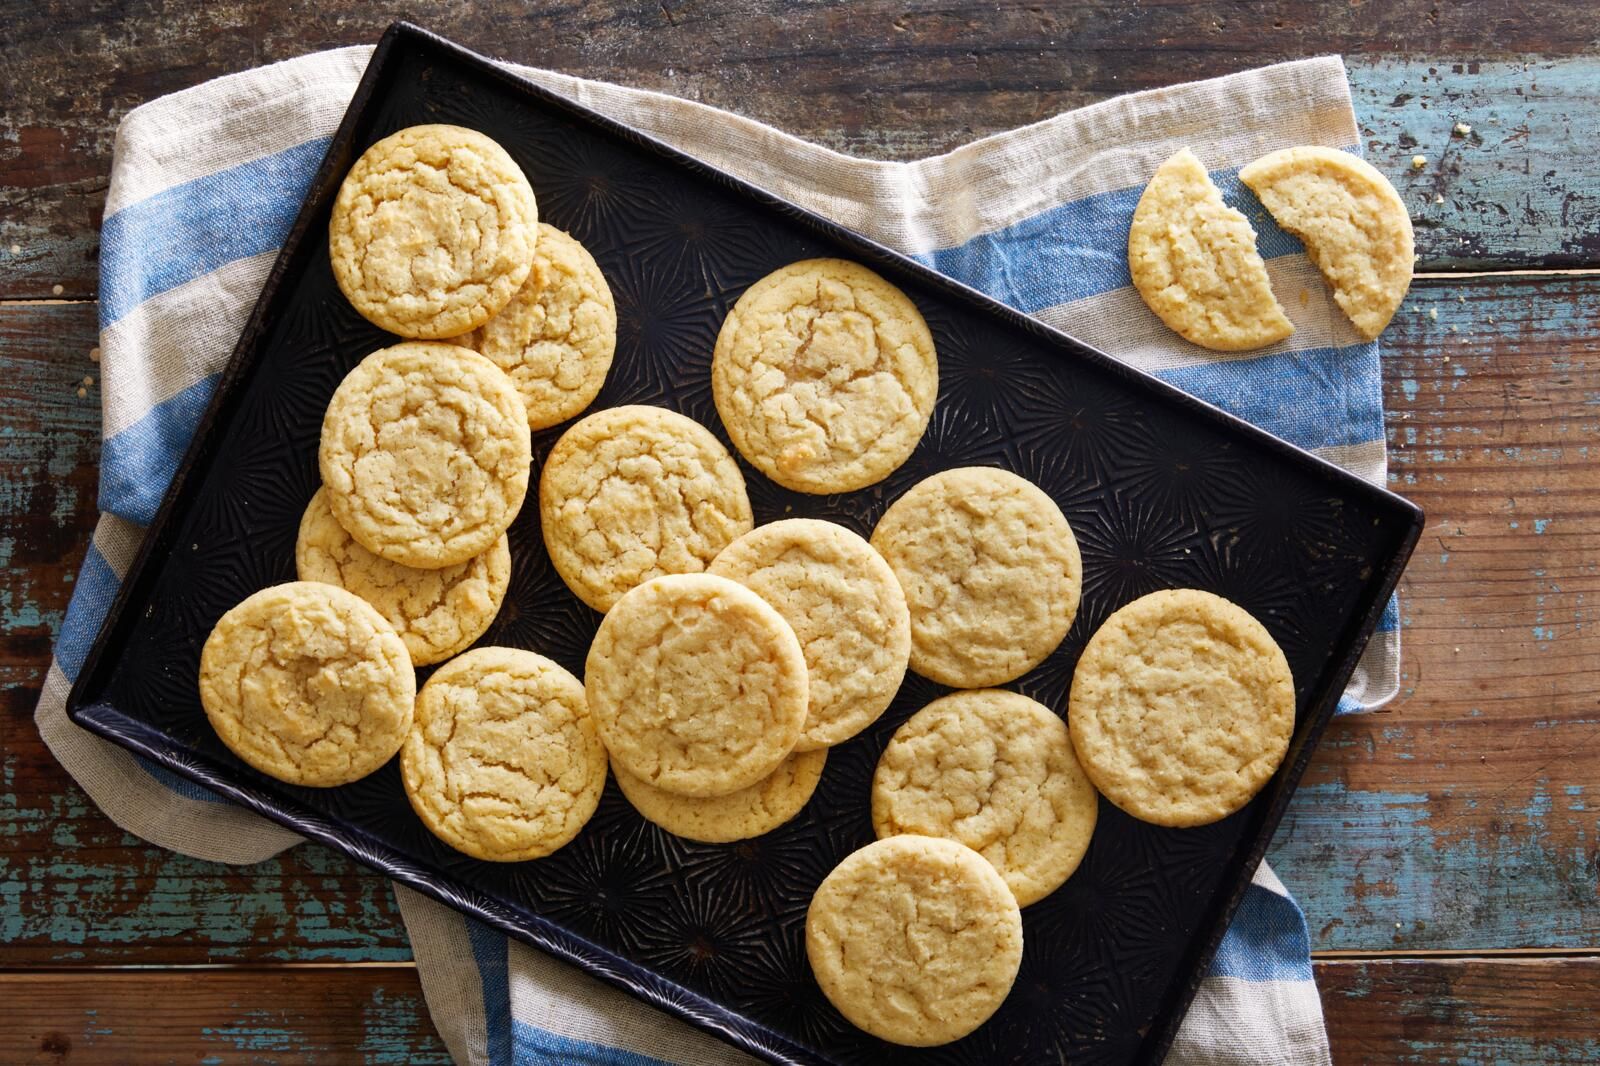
915 939
990 570
308 683
425 454
1194 261
995 771
1182 707
436 612
697 685
633 493
825 376
433 231
503 762
845 605
1352 221
557 335
749 812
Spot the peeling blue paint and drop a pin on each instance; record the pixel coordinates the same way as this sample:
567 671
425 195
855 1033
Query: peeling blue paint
1541 524
1410 388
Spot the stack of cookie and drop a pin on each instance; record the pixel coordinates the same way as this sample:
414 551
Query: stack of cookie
730 657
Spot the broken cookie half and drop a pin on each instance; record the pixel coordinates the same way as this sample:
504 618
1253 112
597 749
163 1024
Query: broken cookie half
1194 261
1352 221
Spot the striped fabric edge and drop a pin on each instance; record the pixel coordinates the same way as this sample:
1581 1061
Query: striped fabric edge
231 120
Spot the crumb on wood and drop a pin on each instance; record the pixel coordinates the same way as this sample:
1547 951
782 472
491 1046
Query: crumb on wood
88 379
1462 129
1433 313
58 289
82 392
16 249
94 354
1438 199
1418 162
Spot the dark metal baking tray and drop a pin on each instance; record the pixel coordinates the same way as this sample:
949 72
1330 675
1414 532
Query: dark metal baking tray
1161 489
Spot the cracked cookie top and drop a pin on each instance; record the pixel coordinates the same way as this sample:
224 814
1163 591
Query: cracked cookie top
433 231
915 939
308 683
697 685
503 762
632 493
425 454
995 771
1182 707
825 376
558 334
990 570
846 607
436 612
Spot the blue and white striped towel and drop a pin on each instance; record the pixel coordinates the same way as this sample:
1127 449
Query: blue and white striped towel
205 184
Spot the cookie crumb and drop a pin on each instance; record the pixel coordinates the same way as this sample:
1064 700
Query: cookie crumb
16 249
94 354
82 392
1418 162
1438 199
1433 313
88 380
57 290
1462 129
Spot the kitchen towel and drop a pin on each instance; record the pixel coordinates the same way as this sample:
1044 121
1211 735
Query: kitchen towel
206 182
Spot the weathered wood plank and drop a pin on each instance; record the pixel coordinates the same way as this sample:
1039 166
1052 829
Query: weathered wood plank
881 79
72 885
1447 1012
49 456
1463 816
1412 1011
1522 189
289 1015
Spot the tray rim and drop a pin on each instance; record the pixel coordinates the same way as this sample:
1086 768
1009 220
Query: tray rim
104 719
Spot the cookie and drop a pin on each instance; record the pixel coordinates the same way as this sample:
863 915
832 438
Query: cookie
436 612
697 685
749 812
990 570
433 231
1182 706
425 454
1352 221
308 683
503 762
1194 261
557 335
915 939
633 493
825 376
995 771
845 605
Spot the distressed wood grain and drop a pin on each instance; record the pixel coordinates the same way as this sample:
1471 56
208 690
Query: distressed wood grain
880 79
1420 1012
49 456
294 1016
1464 814
72 885
1452 1012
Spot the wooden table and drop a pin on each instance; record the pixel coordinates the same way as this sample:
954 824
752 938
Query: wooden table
1446 849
